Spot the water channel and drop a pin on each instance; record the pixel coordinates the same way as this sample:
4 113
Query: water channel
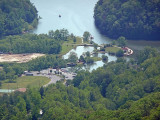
82 49
77 17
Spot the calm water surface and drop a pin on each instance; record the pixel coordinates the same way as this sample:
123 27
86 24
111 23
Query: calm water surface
81 49
6 90
77 17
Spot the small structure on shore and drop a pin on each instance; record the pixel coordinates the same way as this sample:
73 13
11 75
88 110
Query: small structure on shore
21 89
127 51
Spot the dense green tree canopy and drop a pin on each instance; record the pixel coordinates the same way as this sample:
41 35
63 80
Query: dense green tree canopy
17 16
86 36
30 43
117 91
73 57
133 19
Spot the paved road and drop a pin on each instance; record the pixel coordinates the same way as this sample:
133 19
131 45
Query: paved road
54 79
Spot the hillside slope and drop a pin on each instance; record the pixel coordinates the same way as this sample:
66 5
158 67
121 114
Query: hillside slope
118 91
133 19
17 16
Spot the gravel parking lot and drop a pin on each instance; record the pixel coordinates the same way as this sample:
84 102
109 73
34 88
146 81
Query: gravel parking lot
54 74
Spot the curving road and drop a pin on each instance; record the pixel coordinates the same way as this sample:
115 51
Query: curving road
54 79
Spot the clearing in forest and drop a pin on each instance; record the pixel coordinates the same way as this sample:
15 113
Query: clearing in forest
25 82
19 58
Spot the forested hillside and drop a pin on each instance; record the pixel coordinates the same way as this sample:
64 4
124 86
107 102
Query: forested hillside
17 16
133 19
118 91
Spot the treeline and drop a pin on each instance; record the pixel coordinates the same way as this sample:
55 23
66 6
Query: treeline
30 43
119 90
18 106
13 70
138 19
60 102
17 16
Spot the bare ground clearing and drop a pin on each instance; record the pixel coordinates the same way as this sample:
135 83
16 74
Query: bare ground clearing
19 58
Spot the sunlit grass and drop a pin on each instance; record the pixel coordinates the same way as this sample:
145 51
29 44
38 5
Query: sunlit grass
68 45
112 49
26 81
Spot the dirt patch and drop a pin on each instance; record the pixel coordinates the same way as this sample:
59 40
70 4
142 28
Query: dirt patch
19 58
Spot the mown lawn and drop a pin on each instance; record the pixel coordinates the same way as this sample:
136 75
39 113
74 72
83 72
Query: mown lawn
112 49
68 45
78 41
26 81
66 48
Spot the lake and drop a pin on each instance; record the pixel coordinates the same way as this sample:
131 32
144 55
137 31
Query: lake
77 17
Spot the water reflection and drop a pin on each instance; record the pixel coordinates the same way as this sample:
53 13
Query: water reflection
81 49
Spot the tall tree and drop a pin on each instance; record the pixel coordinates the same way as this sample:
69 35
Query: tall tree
86 36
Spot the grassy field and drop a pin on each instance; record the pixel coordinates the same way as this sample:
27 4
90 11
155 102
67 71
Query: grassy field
112 49
96 58
66 48
68 45
26 81
78 41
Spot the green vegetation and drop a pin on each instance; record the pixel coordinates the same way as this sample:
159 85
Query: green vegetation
14 70
73 57
122 41
112 49
133 19
71 38
105 58
55 42
30 43
17 16
25 82
120 53
70 44
66 48
120 90
96 58
86 36
86 58
117 91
